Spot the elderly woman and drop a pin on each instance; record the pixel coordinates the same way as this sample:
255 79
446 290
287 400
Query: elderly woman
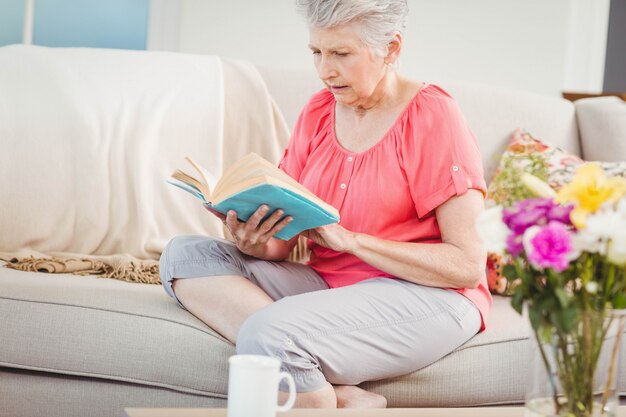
400 282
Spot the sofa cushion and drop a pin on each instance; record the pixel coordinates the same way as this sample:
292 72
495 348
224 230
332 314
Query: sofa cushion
108 329
602 124
117 331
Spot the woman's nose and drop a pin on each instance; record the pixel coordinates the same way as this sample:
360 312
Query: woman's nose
326 70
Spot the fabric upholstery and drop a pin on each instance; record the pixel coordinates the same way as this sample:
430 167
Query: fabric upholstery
110 127
602 122
122 332
133 333
35 394
96 135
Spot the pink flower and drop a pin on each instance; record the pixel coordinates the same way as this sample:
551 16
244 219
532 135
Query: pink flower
548 246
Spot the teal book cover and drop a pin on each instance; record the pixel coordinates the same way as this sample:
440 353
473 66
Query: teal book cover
306 214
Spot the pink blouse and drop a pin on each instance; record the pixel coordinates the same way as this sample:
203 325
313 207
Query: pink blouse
392 189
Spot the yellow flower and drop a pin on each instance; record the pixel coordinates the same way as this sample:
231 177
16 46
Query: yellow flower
589 189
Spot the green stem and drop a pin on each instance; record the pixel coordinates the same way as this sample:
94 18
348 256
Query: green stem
555 398
616 348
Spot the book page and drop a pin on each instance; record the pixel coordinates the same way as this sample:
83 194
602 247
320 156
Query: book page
253 165
206 177
266 179
189 180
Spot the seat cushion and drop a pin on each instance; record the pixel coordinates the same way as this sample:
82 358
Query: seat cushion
103 328
133 333
119 331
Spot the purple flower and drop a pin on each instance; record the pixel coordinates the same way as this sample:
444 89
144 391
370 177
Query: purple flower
532 212
548 246
527 213
514 244
561 213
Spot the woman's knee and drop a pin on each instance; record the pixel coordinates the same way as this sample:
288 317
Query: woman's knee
271 331
260 334
193 256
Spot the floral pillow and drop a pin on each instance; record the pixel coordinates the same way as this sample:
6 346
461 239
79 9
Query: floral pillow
549 163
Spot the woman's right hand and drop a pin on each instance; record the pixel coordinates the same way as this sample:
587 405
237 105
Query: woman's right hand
253 235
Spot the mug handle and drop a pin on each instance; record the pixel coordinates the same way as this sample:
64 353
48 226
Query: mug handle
292 392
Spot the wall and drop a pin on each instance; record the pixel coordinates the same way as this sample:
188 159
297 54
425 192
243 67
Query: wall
83 23
11 17
519 44
615 72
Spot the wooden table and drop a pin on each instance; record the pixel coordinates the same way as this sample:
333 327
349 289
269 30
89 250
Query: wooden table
352 412
343 412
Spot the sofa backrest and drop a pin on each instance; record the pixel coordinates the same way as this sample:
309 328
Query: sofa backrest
602 123
88 138
492 112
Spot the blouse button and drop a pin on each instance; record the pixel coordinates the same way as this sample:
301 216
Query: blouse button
350 159
455 168
342 186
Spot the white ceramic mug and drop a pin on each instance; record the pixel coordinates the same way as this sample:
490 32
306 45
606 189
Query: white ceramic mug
253 386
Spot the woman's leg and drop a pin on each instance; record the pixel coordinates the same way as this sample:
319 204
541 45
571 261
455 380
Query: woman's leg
376 329
243 285
222 302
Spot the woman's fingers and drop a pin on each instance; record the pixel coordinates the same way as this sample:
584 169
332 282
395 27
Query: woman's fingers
256 231
280 225
231 220
271 221
254 220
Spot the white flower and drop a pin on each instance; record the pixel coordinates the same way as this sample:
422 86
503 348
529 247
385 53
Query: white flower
537 186
529 234
492 230
605 233
584 242
621 206
617 248
591 287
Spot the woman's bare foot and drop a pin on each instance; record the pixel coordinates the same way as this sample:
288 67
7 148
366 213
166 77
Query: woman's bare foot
350 396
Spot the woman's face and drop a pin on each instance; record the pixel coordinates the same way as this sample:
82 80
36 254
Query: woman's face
346 65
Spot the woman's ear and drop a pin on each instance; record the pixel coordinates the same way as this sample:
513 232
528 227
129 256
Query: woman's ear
393 49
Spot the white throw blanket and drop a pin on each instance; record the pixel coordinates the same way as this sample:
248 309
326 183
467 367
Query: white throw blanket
88 137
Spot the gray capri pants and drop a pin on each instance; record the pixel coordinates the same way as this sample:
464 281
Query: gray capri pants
375 329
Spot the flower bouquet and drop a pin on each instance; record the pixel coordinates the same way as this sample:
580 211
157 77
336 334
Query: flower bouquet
567 252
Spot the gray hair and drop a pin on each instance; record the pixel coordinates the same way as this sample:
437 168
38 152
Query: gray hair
380 20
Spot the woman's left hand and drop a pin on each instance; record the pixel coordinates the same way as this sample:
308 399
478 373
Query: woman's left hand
332 236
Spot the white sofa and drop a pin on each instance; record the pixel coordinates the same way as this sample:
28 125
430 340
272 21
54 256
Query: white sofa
82 345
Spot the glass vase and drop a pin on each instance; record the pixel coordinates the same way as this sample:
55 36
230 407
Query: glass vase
576 373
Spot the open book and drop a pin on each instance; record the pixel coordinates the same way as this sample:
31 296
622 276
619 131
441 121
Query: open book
253 181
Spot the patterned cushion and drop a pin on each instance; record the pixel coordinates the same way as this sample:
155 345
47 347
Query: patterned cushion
551 164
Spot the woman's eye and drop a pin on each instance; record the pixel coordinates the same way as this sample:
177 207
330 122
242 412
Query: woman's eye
341 53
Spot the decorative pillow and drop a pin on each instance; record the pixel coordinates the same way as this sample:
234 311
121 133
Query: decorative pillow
551 164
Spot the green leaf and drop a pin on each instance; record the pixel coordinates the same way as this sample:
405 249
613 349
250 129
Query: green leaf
546 302
509 272
534 316
619 301
564 320
545 334
564 299
517 302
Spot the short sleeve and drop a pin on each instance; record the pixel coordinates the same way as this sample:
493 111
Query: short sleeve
441 158
299 146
